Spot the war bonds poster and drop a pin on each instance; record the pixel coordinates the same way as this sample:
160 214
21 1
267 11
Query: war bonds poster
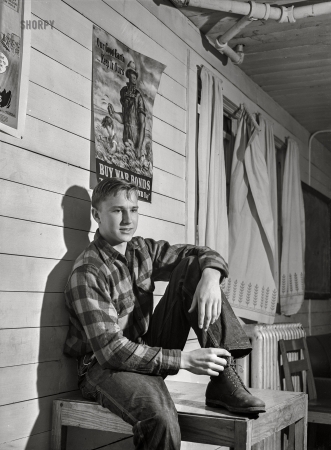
125 84
12 14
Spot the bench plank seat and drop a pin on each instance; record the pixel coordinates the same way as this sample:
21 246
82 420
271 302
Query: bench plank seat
198 422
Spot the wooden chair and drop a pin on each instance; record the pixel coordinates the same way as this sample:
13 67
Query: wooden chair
198 422
319 409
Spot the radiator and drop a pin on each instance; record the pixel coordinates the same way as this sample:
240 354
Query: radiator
261 370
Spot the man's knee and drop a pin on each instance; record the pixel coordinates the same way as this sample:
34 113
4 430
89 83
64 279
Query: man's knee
160 430
188 273
167 423
189 263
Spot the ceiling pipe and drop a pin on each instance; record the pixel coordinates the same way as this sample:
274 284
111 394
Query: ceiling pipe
236 57
281 13
309 150
252 11
238 26
221 43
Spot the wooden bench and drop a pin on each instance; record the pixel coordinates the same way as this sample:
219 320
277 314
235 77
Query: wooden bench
198 422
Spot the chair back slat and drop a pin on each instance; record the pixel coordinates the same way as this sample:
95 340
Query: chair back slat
293 345
298 366
310 377
291 367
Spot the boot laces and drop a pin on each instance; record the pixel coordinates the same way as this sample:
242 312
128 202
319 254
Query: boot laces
232 374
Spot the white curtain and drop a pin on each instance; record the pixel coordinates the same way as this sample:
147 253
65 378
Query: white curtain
293 222
251 287
212 217
267 142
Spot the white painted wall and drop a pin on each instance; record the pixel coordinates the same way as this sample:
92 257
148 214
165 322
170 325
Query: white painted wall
46 179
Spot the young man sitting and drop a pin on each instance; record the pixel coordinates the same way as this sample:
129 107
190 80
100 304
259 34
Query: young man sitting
124 348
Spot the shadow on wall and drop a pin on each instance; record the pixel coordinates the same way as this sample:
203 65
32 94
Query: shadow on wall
56 373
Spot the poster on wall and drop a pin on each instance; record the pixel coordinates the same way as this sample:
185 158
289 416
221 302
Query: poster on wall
125 84
14 65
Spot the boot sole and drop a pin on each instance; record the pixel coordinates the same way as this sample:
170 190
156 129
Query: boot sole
218 404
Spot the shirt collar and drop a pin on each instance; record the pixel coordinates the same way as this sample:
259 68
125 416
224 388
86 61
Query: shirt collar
109 250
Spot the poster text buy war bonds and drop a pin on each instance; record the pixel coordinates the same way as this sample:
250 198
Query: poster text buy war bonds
125 84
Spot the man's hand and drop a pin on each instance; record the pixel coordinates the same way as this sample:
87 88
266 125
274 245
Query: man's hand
204 361
208 298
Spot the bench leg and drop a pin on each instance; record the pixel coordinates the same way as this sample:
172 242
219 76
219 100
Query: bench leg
301 434
242 435
291 437
59 432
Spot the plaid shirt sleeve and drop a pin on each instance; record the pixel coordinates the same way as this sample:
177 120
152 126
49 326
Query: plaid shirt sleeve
166 257
92 303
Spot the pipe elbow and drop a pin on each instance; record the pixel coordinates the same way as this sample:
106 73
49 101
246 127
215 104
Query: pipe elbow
219 45
236 57
239 49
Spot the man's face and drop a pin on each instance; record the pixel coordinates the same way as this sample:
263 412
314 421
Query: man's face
132 78
117 217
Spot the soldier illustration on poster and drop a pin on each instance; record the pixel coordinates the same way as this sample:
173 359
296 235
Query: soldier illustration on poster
133 115
125 84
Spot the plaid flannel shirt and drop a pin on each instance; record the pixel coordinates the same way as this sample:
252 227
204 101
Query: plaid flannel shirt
110 301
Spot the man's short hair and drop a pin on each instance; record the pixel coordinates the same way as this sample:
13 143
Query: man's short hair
111 186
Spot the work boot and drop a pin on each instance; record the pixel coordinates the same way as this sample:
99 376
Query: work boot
228 391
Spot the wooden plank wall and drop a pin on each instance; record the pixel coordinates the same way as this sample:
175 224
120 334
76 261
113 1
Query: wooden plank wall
46 186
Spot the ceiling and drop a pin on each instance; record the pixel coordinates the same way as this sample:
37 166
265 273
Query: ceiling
291 62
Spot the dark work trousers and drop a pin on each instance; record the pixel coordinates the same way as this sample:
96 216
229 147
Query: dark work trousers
143 400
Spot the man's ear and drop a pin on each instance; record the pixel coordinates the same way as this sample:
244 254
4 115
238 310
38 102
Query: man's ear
95 214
